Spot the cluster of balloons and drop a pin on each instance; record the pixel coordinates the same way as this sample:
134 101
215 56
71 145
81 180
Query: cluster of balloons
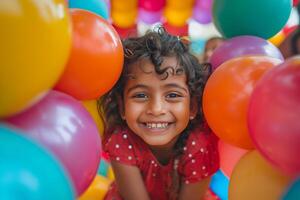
251 101
50 79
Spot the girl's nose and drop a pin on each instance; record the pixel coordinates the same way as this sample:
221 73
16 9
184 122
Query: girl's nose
156 107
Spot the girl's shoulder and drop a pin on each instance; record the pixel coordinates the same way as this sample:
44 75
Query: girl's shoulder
122 135
203 135
200 157
200 139
124 146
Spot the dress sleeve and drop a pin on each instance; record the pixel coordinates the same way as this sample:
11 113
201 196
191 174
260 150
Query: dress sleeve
201 158
120 147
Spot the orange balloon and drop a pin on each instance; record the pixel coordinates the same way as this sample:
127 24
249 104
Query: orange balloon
226 97
123 5
255 178
96 59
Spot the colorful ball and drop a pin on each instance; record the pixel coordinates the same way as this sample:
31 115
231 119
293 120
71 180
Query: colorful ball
35 40
96 58
28 171
251 17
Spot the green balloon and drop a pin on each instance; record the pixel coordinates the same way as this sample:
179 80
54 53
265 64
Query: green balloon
28 171
262 18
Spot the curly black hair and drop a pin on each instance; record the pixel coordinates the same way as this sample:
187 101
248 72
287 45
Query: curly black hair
155 45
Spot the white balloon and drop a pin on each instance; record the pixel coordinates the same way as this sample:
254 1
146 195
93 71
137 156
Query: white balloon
293 19
202 31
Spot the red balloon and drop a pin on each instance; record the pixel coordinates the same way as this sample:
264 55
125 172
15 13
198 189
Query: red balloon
289 29
126 32
152 5
61 124
96 59
274 113
177 31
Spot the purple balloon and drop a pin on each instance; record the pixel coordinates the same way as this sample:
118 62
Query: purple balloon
149 17
203 17
202 11
243 46
60 123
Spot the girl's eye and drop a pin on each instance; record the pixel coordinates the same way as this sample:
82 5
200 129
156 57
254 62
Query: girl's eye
140 96
173 95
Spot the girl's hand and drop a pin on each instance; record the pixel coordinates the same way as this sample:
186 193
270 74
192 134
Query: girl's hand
129 182
195 190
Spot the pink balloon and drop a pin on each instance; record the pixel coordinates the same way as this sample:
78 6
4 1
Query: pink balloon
243 46
152 5
229 156
274 113
60 123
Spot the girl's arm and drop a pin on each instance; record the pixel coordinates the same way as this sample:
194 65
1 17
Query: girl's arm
129 182
195 190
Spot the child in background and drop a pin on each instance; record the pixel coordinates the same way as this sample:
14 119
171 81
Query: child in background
291 45
155 135
210 45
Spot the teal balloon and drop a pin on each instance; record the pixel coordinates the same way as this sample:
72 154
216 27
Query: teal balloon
262 18
98 7
293 192
103 168
28 171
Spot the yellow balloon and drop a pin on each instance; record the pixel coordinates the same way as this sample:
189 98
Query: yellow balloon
124 19
97 189
180 4
91 107
177 17
110 174
123 5
277 39
35 40
254 178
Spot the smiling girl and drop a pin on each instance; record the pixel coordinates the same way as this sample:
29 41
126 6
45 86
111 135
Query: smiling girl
155 135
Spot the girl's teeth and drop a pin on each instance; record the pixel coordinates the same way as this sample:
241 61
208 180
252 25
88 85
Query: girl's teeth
157 125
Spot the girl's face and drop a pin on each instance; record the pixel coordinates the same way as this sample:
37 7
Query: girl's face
156 109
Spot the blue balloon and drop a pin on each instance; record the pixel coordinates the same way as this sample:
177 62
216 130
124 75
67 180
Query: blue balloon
98 7
103 168
219 185
28 171
197 46
293 193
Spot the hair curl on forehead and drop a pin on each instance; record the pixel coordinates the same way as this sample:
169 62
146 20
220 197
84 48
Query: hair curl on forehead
155 46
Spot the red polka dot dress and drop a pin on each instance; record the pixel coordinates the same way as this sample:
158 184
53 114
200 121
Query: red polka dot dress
199 160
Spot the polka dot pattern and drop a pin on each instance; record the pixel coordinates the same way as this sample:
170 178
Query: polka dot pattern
198 161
